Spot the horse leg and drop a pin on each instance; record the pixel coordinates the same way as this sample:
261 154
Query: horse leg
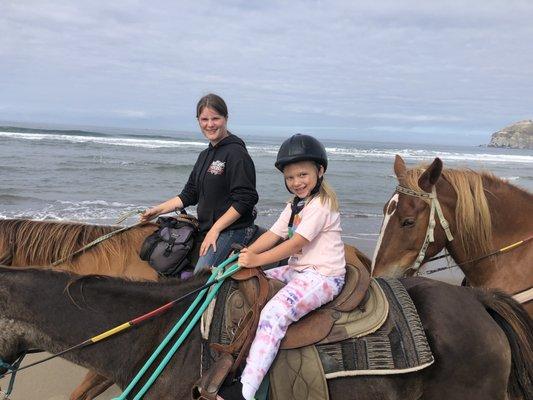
92 385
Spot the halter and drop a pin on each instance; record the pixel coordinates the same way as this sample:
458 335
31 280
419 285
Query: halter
434 206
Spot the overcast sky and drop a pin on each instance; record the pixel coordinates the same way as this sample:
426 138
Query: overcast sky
391 70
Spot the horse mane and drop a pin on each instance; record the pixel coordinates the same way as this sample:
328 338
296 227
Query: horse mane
44 242
472 213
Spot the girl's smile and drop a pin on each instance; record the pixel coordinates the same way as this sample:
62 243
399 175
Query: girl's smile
302 177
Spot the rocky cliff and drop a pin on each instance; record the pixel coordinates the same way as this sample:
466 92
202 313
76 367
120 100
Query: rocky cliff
516 136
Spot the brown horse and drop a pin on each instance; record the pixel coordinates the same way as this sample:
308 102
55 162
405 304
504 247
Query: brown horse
29 242
484 214
482 340
42 243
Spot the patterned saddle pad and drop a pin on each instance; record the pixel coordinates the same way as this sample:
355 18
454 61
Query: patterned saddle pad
399 345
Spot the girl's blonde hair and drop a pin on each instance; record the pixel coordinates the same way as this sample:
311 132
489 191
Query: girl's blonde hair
326 194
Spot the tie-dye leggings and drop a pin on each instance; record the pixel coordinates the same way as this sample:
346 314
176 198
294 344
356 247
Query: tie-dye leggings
304 292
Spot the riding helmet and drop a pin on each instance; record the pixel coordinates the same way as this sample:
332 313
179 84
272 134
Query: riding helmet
301 147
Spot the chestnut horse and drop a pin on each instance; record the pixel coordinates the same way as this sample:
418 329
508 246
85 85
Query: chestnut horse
28 242
481 339
484 214
42 243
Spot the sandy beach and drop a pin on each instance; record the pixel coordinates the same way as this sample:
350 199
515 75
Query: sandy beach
53 380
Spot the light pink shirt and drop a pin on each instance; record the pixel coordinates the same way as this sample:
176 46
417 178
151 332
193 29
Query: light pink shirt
322 227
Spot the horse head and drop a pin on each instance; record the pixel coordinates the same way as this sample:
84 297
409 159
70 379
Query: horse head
407 237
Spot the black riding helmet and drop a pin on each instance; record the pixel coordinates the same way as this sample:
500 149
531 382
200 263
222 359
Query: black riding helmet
298 148
301 147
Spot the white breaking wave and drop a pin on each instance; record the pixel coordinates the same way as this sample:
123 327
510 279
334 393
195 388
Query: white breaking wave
428 155
113 141
339 153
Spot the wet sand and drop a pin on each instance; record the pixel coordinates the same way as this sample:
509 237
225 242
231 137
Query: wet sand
52 380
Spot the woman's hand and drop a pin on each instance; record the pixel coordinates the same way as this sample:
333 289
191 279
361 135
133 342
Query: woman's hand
209 240
149 214
248 259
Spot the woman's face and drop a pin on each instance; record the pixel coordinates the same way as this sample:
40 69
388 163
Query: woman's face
301 177
213 125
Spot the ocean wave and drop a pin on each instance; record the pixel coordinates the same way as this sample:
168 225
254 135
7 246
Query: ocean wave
426 155
107 140
10 199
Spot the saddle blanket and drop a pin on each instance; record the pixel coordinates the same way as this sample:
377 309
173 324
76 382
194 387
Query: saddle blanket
398 346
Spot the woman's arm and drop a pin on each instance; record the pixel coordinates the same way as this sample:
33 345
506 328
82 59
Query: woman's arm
249 259
222 223
163 208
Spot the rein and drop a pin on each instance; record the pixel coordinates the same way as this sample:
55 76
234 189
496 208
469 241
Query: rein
494 253
95 242
15 367
434 207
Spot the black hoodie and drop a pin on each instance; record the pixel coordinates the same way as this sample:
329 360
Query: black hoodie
223 176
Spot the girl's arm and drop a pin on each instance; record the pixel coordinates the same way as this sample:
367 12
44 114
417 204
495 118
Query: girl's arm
249 259
264 242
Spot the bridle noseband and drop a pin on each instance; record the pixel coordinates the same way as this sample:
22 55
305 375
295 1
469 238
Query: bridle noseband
434 207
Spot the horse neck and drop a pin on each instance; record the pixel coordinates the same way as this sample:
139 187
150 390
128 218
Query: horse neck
55 323
509 209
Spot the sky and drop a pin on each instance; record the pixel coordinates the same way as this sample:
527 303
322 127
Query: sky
397 70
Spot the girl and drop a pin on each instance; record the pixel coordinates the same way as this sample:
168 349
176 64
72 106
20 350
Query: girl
316 268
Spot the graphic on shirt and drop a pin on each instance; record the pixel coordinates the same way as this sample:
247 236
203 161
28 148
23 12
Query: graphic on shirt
296 222
217 167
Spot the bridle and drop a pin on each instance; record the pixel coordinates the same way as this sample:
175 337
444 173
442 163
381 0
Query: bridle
434 207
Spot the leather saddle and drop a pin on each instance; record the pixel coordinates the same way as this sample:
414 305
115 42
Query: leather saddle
313 328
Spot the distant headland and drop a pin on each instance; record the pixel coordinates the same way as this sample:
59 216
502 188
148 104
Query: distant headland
516 136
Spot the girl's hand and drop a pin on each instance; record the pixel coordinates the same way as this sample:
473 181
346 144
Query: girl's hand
248 259
209 240
149 214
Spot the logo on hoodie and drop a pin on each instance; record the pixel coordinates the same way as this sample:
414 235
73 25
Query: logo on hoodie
216 167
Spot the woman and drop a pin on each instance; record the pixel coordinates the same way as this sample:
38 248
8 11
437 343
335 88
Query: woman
222 183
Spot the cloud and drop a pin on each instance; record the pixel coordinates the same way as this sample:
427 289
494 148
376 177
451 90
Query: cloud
338 63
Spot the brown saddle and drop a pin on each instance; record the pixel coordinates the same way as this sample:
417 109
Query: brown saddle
313 328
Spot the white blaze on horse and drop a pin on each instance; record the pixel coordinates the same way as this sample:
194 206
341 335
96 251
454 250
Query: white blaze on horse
475 216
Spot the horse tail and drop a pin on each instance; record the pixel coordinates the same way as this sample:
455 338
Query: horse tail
518 327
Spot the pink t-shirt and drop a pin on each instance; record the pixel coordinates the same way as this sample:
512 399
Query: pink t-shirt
322 227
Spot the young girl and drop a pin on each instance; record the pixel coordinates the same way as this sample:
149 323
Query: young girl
316 268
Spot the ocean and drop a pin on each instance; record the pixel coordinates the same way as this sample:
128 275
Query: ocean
95 177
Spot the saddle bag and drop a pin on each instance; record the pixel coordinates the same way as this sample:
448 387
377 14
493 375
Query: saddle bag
168 249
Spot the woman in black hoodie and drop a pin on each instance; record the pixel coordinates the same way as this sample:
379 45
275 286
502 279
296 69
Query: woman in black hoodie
222 183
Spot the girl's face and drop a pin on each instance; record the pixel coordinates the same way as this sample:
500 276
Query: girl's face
302 177
213 125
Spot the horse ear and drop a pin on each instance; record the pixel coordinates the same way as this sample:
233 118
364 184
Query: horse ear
431 175
399 167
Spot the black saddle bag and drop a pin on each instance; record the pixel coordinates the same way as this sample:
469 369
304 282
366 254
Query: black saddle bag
168 250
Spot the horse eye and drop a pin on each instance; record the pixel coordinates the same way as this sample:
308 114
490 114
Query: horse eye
408 222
